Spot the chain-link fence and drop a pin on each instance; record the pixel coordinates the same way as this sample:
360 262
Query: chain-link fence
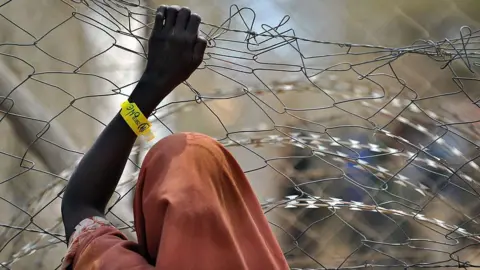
361 155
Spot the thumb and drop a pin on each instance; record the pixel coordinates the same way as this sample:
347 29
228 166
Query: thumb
199 50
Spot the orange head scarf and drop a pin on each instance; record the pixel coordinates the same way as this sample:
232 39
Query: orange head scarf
194 209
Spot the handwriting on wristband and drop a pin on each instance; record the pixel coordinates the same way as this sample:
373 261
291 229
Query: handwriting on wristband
136 120
134 114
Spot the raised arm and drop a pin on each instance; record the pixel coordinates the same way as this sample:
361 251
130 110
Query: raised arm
175 51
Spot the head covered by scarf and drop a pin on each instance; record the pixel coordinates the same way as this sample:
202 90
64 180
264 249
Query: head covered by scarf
193 209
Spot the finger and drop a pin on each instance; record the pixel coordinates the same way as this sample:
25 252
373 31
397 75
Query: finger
199 50
194 24
159 18
171 16
182 19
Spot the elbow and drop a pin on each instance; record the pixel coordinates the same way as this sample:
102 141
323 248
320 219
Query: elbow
73 203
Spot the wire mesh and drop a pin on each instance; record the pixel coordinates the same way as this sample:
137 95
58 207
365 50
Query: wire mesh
369 166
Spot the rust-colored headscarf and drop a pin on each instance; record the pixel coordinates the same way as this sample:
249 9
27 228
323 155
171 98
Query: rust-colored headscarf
194 209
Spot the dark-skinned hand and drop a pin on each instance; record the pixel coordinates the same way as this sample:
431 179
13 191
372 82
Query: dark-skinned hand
175 52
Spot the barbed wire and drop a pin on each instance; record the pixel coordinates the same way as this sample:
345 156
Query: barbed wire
374 172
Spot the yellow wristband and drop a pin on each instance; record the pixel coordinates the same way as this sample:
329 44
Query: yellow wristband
136 120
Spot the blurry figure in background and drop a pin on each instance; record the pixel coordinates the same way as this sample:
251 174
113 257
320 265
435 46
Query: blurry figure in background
193 208
330 182
440 177
432 176
364 177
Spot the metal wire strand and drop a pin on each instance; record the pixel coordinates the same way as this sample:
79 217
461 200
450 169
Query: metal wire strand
379 174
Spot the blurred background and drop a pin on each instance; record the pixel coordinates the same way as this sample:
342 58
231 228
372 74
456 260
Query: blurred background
355 121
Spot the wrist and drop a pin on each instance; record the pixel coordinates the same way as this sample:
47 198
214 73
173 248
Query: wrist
148 93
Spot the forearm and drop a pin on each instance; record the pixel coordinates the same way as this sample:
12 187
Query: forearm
96 177
101 167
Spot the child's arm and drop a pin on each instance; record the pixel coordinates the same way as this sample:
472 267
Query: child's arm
175 51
